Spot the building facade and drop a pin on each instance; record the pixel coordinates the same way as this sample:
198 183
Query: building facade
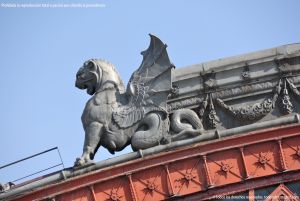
249 148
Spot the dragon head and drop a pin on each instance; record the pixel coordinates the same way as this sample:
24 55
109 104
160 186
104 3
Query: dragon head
96 75
88 77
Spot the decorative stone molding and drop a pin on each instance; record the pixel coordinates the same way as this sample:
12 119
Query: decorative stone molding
209 80
212 118
184 103
250 112
203 106
246 72
257 111
293 88
287 106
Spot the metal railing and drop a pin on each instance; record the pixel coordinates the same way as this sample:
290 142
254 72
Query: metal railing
32 156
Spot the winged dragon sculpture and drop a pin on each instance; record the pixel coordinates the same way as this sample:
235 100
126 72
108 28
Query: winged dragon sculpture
114 118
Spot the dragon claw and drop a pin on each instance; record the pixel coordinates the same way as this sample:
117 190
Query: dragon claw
82 161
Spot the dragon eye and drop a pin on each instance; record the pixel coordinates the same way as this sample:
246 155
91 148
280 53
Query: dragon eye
91 65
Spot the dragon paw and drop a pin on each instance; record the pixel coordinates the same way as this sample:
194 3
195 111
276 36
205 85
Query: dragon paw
82 161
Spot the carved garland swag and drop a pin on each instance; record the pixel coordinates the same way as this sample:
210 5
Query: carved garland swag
249 113
259 110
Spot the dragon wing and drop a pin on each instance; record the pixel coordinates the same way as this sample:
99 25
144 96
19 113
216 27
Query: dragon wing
148 87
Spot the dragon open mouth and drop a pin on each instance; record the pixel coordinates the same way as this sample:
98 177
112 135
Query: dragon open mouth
81 83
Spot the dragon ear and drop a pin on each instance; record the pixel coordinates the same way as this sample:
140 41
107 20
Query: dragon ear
90 64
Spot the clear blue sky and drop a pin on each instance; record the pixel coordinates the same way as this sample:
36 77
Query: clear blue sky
42 48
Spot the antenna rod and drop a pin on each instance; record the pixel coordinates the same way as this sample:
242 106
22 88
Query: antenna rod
28 157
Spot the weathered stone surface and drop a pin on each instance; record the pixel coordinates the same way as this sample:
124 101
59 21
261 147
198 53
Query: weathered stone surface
114 118
162 104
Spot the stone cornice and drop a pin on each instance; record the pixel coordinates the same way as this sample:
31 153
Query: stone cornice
244 70
220 65
263 85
